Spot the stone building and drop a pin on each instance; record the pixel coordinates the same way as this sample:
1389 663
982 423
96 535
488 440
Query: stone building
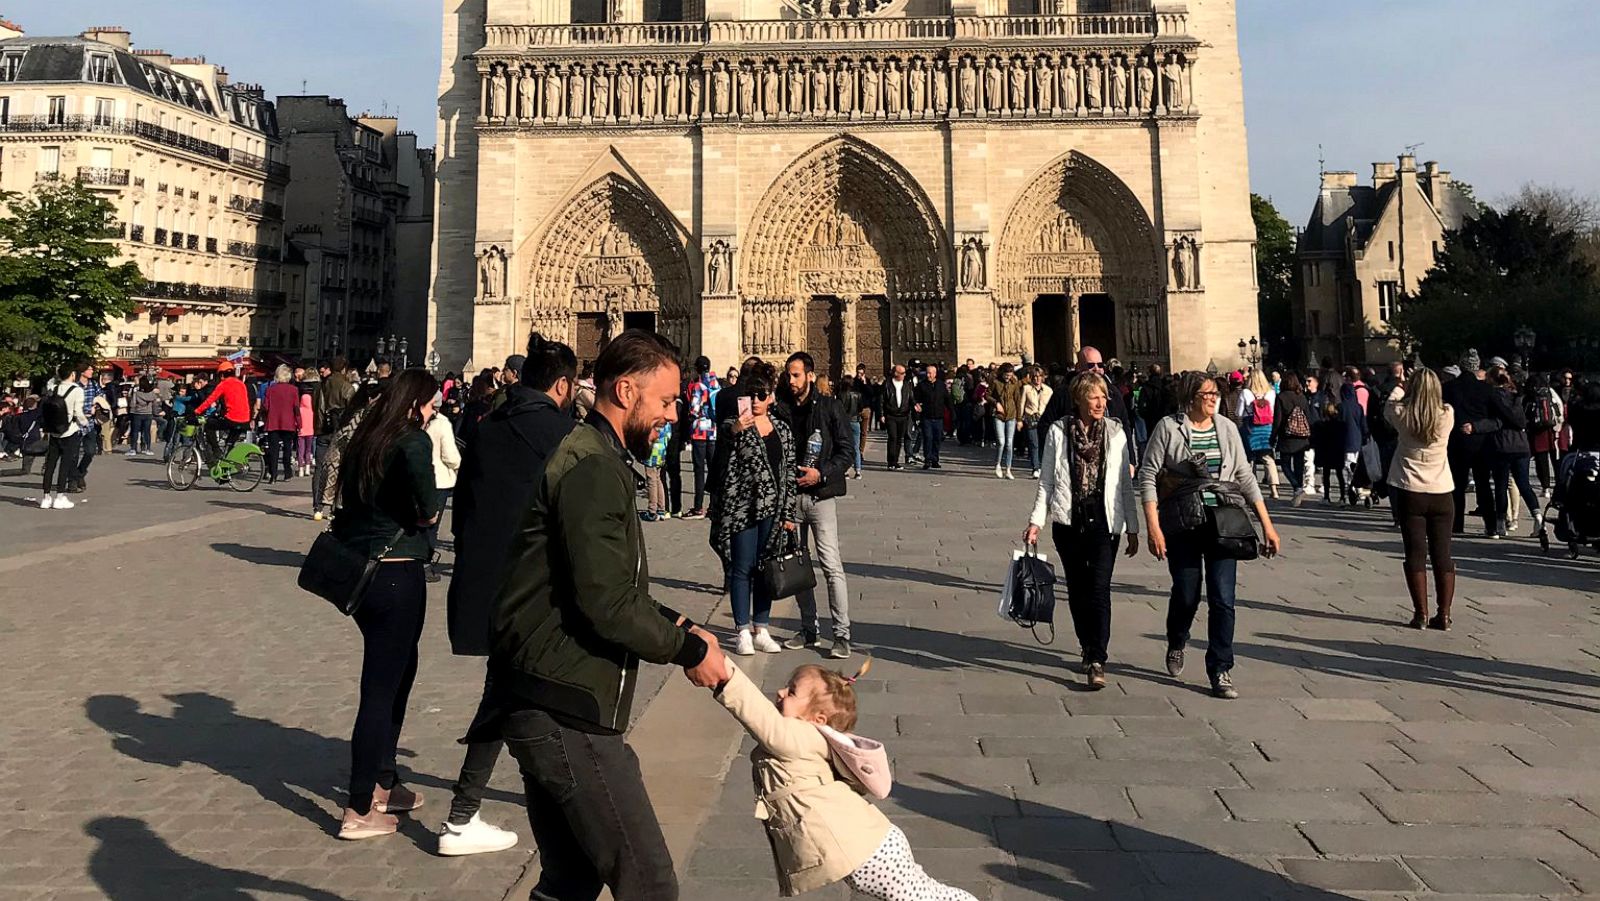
1364 248
867 179
361 212
192 165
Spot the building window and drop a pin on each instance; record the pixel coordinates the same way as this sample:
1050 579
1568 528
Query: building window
50 160
1350 316
1388 300
1316 323
1313 275
1391 251
104 110
57 114
101 70
9 64
5 110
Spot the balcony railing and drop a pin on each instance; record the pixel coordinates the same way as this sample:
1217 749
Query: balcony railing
161 237
177 239
272 168
192 291
192 242
255 207
693 34
100 175
136 234
255 251
103 125
211 245
368 216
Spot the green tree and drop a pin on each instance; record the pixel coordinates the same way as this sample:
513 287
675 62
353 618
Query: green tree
53 246
1497 273
1275 276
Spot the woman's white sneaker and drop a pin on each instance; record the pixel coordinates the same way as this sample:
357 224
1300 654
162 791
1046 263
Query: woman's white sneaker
47 502
745 646
765 643
62 502
474 837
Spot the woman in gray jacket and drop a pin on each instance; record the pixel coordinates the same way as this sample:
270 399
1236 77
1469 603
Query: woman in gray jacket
1198 434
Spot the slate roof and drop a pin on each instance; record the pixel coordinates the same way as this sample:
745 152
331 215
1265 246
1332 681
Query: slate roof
1342 212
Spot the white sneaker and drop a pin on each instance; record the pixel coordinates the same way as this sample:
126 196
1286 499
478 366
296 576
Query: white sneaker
745 646
1009 475
1036 473
475 837
62 503
765 643
317 516
1511 526
47 502
999 472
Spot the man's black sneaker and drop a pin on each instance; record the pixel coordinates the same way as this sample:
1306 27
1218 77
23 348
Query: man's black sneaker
841 649
803 640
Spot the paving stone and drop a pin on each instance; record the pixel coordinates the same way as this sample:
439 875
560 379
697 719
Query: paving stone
1193 837
1172 803
1472 808
1468 733
1266 774
1335 805
1427 777
1148 772
1550 781
1350 875
1101 802
1351 709
1508 876
1341 839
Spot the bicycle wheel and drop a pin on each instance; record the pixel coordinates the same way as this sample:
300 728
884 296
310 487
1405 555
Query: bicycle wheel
183 470
248 475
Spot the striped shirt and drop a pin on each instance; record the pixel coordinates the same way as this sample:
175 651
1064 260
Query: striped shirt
1205 443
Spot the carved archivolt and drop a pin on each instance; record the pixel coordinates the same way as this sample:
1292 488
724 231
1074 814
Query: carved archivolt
610 250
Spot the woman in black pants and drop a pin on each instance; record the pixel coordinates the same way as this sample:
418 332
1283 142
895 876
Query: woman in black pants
1291 433
1424 491
1086 493
389 501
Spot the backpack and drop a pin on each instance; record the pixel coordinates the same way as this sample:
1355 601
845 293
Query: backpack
1298 425
1261 414
54 417
1541 414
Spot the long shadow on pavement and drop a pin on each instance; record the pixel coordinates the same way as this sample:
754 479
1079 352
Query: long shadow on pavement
273 759
269 556
132 863
1062 854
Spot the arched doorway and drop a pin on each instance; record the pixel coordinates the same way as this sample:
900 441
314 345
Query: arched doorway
1079 259
609 259
845 257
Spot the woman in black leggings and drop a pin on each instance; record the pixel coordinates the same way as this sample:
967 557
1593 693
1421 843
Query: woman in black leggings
389 501
1419 474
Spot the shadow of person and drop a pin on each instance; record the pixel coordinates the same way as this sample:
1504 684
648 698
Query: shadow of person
269 556
132 863
283 764
1060 853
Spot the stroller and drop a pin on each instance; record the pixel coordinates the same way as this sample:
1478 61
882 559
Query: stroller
1575 508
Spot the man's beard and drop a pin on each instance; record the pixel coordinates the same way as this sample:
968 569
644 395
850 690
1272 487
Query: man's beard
638 436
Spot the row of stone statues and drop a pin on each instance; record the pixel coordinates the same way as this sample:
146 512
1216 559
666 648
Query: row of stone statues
1032 85
768 327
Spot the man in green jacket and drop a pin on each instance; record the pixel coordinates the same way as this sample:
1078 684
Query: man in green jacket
573 620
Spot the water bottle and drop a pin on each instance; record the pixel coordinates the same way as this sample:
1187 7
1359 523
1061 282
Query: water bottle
814 448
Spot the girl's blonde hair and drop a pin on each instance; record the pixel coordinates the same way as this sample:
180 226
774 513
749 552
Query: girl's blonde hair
824 386
838 693
1259 385
1422 414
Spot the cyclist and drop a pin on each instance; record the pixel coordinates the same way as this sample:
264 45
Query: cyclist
232 400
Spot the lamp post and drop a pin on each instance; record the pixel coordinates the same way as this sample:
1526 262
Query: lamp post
1524 338
1250 352
150 354
405 354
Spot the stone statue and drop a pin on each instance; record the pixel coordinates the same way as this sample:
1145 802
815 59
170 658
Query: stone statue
918 86
1172 83
1180 265
718 266
1069 84
721 89
625 92
844 78
1191 255
969 87
693 77
497 93
747 90
972 266
893 88
669 91
552 92
602 93
647 92
611 326
797 88
491 273
771 83
577 94
1044 84
1091 84
1019 87
994 86
819 89
525 99
1146 84
1119 85
869 89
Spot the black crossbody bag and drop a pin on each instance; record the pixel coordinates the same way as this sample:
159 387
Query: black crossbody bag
335 572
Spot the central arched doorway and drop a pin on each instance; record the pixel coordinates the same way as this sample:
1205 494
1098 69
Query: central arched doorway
846 259
1079 260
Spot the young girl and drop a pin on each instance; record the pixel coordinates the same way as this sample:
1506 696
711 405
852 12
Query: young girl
810 774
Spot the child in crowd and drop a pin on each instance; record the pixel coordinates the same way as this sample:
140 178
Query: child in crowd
655 488
810 774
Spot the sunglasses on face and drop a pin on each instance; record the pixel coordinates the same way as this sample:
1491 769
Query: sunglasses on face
1094 366
762 394
1210 395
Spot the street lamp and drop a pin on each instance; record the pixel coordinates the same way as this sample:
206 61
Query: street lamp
1250 352
405 354
149 354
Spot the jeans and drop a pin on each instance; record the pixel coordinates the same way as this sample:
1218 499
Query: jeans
1294 468
932 437
390 618
442 495
591 816
701 451
280 453
1005 432
672 473
88 447
819 529
139 432
60 461
914 439
745 592
320 475
476 768
1088 556
856 440
1507 469
1034 442
1467 457
896 427
1193 564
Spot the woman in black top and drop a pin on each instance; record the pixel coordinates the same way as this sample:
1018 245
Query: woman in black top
389 501
1291 433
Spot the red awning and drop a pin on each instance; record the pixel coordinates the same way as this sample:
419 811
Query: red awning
173 312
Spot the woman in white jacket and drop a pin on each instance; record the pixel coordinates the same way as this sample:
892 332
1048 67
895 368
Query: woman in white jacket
1086 493
446 461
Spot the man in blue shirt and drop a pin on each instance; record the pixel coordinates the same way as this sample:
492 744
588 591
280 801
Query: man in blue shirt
90 445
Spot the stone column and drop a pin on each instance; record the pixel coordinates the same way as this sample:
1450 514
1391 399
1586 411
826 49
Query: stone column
847 322
1074 324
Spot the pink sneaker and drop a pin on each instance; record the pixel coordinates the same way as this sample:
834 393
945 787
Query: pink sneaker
375 824
395 800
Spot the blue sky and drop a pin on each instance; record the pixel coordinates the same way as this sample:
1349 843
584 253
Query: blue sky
1498 92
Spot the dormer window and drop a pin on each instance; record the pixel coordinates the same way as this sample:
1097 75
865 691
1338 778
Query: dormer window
101 69
10 64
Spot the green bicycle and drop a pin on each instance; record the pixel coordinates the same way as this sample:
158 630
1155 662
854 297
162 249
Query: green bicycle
240 467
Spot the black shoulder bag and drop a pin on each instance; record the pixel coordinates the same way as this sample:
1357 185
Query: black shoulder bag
789 573
335 572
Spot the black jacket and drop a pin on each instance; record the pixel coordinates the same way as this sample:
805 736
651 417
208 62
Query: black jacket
934 398
1473 400
500 470
824 415
1061 405
903 406
1511 439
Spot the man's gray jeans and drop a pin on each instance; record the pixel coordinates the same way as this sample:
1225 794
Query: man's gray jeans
819 530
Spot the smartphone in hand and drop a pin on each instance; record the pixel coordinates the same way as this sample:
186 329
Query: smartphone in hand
746 407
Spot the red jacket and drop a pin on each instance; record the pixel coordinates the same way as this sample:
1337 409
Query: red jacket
235 401
280 406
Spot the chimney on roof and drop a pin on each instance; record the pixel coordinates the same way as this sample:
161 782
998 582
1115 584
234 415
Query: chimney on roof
1382 174
1338 180
9 30
155 57
115 35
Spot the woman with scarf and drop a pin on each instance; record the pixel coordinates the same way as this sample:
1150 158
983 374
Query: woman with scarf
753 514
1086 493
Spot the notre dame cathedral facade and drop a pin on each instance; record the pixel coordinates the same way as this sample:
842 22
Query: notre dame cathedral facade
869 180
